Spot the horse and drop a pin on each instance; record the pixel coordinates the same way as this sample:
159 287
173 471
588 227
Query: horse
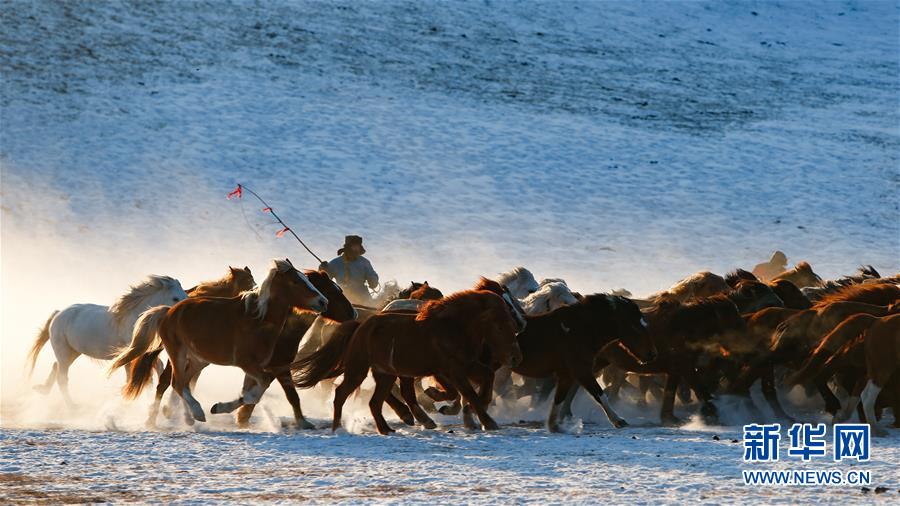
864 274
339 310
880 294
241 331
413 298
520 282
788 292
552 294
698 285
564 342
801 275
445 338
98 331
235 281
687 335
882 356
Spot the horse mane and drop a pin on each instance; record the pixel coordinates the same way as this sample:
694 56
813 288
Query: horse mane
853 292
736 276
548 291
867 271
441 307
489 285
214 285
548 281
259 296
684 287
136 295
510 275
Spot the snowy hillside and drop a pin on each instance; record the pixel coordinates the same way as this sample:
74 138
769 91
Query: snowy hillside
621 144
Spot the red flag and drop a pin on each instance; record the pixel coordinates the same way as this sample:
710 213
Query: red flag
236 193
282 232
267 210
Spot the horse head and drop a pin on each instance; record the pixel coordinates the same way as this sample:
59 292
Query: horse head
339 308
283 280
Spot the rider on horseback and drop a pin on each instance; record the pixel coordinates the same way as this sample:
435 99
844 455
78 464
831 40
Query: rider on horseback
352 271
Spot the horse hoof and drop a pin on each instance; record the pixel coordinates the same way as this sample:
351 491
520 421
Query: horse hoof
620 423
553 428
429 424
217 408
410 421
492 426
305 425
385 431
434 393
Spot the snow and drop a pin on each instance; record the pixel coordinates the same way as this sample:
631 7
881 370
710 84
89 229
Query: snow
609 144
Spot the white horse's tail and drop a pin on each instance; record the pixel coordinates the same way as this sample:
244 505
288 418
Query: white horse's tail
143 338
39 343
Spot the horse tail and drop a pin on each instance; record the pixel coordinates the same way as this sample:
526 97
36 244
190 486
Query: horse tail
139 373
326 361
39 343
144 337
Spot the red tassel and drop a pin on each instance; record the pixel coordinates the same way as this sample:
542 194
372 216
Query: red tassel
267 210
282 232
236 193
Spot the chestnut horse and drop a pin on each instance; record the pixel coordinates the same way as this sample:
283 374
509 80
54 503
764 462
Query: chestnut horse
232 284
801 275
445 338
339 310
235 281
241 331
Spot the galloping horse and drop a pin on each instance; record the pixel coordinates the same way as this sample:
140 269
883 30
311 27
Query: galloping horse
801 275
520 282
240 331
445 338
339 310
98 331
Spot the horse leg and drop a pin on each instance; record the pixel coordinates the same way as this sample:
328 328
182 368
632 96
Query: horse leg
165 380
848 409
399 407
484 378
383 384
254 386
51 379
565 411
869 396
62 377
290 391
707 409
353 378
408 391
667 411
182 374
244 411
832 403
767 382
564 384
462 385
589 383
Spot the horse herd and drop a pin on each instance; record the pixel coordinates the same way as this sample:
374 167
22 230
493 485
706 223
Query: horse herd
510 337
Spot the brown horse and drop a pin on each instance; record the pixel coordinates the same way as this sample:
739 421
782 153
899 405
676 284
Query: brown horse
788 292
800 275
879 294
231 285
235 281
698 285
240 331
565 342
882 354
446 338
339 310
686 335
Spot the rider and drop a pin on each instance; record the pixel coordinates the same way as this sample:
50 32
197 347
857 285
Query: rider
775 266
352 271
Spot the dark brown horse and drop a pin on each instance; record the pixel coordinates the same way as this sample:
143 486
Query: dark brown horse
241 331
420 291
564 343
339 310
880 294
446 338
787 291
687 335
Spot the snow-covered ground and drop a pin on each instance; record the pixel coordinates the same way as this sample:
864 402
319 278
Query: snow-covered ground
620 144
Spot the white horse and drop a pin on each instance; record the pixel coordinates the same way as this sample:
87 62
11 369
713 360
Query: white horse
98 331
520 282
551 295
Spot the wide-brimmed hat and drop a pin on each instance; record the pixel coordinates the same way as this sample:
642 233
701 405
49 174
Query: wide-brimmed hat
352 240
